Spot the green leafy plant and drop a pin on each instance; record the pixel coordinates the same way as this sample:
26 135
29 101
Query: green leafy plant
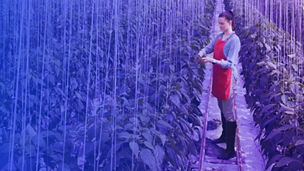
274 85
102 85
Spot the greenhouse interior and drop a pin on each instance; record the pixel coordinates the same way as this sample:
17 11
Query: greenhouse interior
160 85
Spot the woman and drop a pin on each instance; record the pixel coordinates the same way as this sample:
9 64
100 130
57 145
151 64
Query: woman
226 47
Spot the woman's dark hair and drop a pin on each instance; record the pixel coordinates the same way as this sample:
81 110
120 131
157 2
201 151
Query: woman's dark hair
229 16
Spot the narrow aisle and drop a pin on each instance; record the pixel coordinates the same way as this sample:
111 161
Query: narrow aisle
249 149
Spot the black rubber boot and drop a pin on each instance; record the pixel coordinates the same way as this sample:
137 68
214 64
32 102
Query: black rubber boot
221 139
230 141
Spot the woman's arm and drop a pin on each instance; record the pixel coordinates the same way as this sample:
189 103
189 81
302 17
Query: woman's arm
210 47
232 55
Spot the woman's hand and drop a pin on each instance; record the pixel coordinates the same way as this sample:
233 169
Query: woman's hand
201 53
207 59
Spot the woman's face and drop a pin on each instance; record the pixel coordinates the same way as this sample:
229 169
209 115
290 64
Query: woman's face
224 24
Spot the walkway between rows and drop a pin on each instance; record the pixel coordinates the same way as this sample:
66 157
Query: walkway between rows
249 155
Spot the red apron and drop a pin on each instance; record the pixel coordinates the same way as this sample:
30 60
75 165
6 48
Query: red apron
221 77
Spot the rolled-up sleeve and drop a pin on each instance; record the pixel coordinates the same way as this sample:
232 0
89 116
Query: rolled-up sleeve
232 55
210 47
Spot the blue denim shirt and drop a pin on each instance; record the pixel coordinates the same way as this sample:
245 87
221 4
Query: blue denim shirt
231 51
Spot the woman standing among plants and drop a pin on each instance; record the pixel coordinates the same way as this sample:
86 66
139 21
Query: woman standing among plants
226 46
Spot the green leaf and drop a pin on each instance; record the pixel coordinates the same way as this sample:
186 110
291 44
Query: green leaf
144 118
294 88
30 131
286 109
284 99
272 65
299 142
163 138
267 108
175 99
295 67
148 158
268 48
134 120
164 123
284 161
159 154
147 136
273 160
277 131
124 135
292 55
40 140
149 145
134 147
